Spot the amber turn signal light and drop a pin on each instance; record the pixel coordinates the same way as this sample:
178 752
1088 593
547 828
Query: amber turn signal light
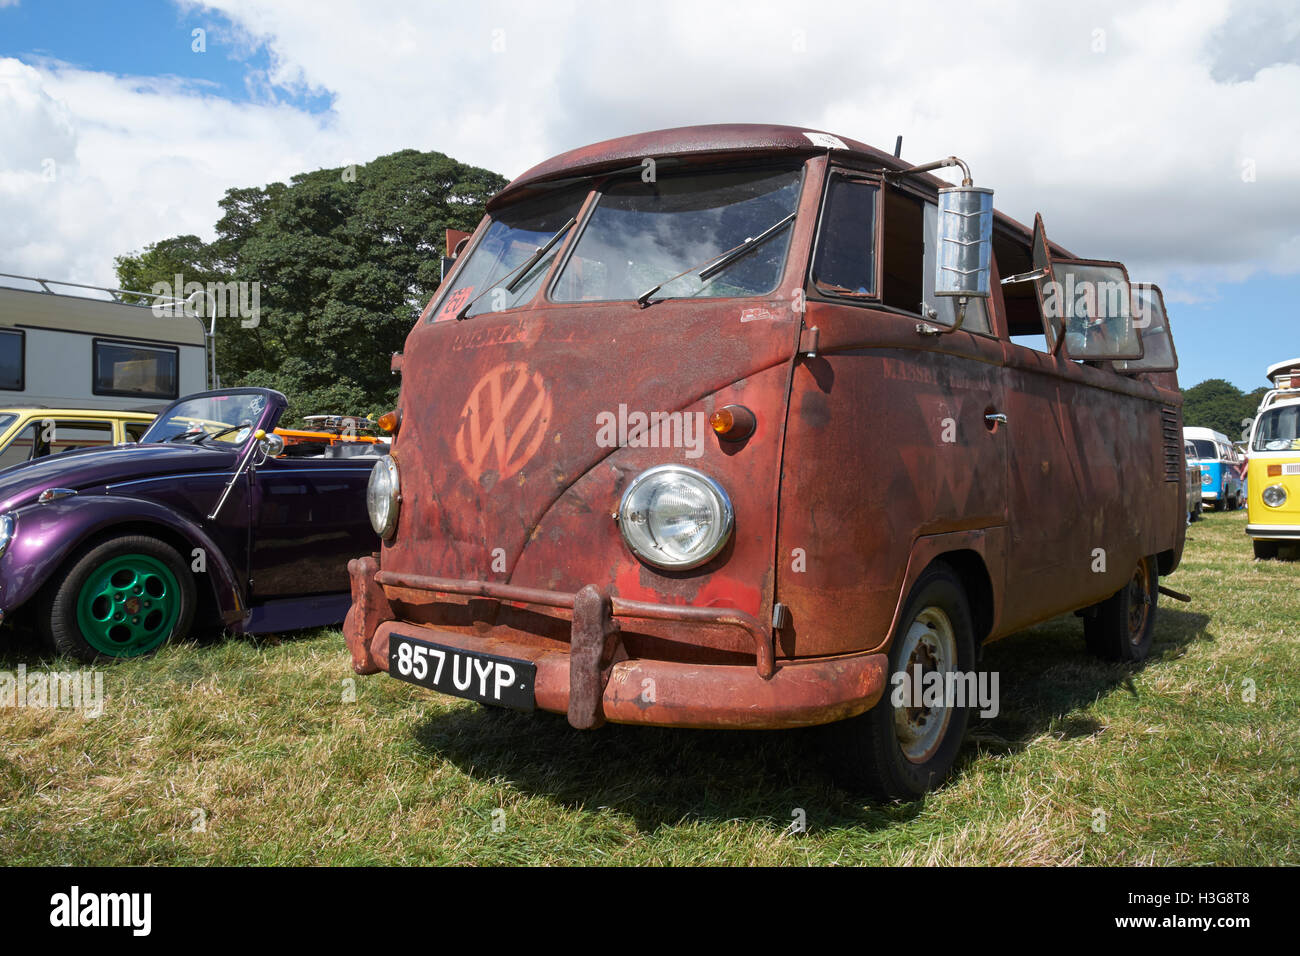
1275 471
733 422
390 422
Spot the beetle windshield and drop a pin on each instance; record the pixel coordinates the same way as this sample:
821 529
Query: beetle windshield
642 234
224 419
1278 429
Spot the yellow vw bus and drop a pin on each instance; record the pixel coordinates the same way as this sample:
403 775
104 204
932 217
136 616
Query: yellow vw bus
1273 475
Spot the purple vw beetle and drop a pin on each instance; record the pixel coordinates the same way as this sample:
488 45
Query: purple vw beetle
209 522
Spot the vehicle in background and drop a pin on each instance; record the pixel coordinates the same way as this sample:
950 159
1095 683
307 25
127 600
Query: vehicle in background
1194 500
71 350
1273 508
743 426
1220 468
29 433
206 522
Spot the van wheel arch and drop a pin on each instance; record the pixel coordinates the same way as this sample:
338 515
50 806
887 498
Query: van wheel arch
970 569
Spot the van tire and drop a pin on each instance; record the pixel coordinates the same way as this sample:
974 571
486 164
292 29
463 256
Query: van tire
868 750
1120 627
1265 550
157 575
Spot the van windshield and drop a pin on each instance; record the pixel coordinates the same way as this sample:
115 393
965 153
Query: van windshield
515 233
642 234
1278 429
1206 450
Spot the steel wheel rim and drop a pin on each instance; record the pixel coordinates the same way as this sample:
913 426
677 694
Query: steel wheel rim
1139 602
931 643
128 606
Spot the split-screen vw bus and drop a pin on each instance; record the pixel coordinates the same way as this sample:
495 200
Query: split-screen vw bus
1273 475
740 426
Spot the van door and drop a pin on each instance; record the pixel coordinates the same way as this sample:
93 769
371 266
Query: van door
890 438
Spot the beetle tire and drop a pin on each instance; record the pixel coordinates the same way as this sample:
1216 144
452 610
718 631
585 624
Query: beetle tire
57 609
867 752
1110 632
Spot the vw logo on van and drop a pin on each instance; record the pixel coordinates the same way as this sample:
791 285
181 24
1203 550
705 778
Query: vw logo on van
503 422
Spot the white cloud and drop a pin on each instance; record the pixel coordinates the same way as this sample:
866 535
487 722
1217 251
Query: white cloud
1127 124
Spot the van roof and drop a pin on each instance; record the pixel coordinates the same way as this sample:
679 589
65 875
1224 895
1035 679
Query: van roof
742 141
1191 431
1290 365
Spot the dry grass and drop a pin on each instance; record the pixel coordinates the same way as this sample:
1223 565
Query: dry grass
245 752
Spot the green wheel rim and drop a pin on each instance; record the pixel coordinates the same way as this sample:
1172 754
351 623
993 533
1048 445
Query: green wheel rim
129 605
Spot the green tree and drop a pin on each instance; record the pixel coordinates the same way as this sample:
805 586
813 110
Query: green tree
1218 404
344 259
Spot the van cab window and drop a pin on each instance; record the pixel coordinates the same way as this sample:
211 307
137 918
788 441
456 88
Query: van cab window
515 234
845 261
664 233
1278 429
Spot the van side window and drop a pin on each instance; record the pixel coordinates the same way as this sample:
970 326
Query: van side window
903 254
845 261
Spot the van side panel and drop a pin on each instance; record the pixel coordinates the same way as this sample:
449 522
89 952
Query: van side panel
886 443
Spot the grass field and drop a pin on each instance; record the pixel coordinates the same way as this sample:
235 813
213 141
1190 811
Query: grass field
256 752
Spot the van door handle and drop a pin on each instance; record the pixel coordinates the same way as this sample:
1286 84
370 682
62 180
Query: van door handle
995 418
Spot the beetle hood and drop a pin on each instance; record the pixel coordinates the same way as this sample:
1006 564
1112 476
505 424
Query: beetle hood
95 467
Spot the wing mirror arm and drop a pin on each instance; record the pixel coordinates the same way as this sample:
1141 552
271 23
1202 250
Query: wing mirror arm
242 467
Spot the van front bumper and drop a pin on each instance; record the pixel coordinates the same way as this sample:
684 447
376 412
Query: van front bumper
591 685
1274 532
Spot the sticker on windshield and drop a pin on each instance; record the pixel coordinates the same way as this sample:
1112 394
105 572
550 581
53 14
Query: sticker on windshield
825 140
455 302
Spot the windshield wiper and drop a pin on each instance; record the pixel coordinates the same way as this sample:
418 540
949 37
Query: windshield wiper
521 270
711 267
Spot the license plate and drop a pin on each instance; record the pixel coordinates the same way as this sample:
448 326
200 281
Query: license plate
489 679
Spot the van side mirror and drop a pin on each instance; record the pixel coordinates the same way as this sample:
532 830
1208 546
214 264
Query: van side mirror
965 240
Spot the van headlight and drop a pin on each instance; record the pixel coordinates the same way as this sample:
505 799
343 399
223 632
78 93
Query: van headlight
675 517
1206 478
6 532
383 496
1274 496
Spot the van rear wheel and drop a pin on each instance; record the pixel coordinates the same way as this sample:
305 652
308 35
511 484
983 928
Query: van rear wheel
1120 627
901 747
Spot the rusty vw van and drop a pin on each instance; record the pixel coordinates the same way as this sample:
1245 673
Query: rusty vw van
731 426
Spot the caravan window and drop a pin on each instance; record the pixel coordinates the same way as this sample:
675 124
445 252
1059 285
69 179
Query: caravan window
143 371
11 361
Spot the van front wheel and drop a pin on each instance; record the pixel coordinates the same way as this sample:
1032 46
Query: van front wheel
907 743
1120 627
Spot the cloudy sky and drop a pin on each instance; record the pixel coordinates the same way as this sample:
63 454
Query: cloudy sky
1163 134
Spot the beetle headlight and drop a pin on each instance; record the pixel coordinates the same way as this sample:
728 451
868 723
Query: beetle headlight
6 532
675 517
1274 496
383 496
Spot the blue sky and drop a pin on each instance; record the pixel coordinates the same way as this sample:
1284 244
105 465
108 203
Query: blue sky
1129 126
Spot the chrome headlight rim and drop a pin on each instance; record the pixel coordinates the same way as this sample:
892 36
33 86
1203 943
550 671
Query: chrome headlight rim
721 498
7 525
1279 496
386 467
